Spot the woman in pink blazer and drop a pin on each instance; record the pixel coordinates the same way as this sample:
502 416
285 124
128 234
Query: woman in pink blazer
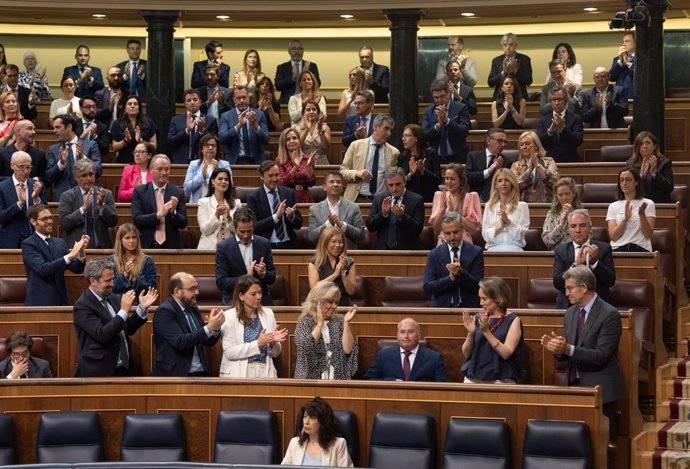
136 173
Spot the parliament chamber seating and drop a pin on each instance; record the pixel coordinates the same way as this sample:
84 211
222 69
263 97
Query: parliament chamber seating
12 291
69 437
541 294
553 444
8 454
599 192
246 437
404 291
210 295
153 437
38 349
616 153
347 422
402 441
477 444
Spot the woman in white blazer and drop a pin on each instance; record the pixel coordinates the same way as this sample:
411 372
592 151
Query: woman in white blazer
250 335
216 210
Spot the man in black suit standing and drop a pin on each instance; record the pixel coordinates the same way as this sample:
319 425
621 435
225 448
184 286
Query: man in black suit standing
397 215
483 164
591 334
244 254
560 131
215 99
108 99
511 63
276 213
88 128
134 70
380 75
103 325
26 98
158 208
179 331
605 105
288 73
88 79
24 134
214 54
583 251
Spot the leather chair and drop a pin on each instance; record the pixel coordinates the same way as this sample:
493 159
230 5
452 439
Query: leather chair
347 421
38 349
279 291
12 291
209 295
554 444
247 437
303 241
477 444
402 441
190 237
662 241
541 294
368 241
153 465
530 123
427 239
69 437
511 155
600 233
533 241
318 193
599 192
616 153
361 296
153 438
477 238
404 292
242 192
7 452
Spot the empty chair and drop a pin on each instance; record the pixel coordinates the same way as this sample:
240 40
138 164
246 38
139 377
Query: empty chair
153 438
347 421
553 444
246 437
69 437
599 192
279 291
477 444
403 441
404 292
7 452
541 294
616 153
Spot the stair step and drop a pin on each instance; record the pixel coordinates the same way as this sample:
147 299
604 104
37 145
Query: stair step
664 459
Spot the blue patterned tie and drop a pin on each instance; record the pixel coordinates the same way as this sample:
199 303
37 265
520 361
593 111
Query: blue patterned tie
392 239
279 228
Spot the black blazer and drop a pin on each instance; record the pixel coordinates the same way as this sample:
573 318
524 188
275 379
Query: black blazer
523 73
423 184
230 266
428 366
38 368
617 109
102 135
284 82
261 206
28 112
198 79
380 83
605 273
140 90
39 161
14 225
88 87
562 146
176 342
144 214
476 165
409 226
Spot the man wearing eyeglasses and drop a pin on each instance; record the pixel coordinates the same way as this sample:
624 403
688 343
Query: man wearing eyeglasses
17 193
483 164
361 124
89 128
560 131
605 105
180 333
19 362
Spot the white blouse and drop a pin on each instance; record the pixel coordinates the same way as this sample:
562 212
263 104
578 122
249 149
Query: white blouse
633 229
511 237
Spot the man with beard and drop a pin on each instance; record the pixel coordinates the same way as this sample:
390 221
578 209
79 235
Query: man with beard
108 99
243 131
89 128
24 133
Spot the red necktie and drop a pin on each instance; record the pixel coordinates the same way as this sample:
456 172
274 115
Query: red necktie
406 365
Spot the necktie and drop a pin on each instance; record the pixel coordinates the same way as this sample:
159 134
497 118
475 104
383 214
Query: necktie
279 228
392 239
406 365
486 188
373 184
81 69
456 294
572 375
133 77
21 191
90 218
191 153
363 123
123 354
159 235
190 321
85 125
245 141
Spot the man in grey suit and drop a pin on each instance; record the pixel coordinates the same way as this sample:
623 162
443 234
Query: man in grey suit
591 333
87 209
335 210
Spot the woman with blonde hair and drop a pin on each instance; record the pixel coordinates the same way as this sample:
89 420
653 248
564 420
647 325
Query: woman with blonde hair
359 80
314 133
555 229
326 348
308 87
134 270
251 337
296 167
251 73
456 198
535 171
506 217
9 116
330 263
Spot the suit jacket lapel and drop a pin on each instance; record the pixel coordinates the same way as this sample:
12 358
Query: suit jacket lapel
181 316
592 318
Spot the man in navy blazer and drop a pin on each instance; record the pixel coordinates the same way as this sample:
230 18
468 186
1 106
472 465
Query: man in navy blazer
623 66
25 99
277 217
179 331
409 361
243 130
108 99
244 254
454 268
561 131
446 124
46 259
594 254
186 129
159 223
62 155
511 63
134 70
380 74
214 54
14 202
482 164
611 98
88 79
288 73
215 99
361 124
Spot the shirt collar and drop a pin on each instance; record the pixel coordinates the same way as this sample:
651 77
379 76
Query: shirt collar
412 352
450 248
588 306
586 243
17 181
239 241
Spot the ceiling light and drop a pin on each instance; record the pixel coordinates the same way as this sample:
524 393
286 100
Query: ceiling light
223 17
99 16
467 14
347 16
591 9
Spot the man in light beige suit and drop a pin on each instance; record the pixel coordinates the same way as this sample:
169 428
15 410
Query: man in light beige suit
367 159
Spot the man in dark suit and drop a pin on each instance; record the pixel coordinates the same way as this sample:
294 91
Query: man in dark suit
409 361
288 73
25 97
103 323
88 79
275 208
215 99
511 63
559 79
186 129
605 105
482 164
591 253
17 193
454 268
397 215
244 254
134 70
380 75
108 99
446 124
214 54
459 91
623 67
89 128
591 334
24 133
19 362
87 209
46 259
63 155
561 131
159 208
179 331
361 124
243 130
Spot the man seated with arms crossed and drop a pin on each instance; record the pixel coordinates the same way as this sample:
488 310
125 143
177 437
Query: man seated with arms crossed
409 361
19 362
454 268
335 210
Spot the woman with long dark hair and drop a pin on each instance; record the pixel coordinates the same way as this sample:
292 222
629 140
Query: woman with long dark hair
420 162
216 210
132 127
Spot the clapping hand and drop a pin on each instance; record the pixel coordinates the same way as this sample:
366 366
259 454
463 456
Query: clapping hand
215 319
398 210
147 297
350 314
553 343
468 321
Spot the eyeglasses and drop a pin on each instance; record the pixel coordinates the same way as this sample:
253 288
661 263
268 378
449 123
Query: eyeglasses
192 289
500 141
24 167
20 354
210 145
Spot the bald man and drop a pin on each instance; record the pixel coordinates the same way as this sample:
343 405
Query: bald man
17 193
24 135
605 105
408 361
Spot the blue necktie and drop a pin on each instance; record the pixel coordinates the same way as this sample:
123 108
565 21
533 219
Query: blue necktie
392 239
245 141
373 184
133 77
279 228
